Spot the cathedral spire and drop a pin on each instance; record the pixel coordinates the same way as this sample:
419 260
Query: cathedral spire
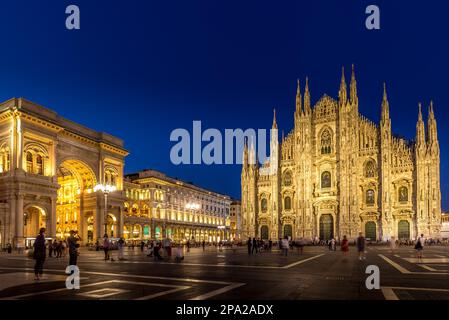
420 132
432 127
385 106
245 153
307 108
343 93
275 125
298 100
353 87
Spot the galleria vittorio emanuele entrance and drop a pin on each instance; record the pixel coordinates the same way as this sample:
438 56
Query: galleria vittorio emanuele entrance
49 169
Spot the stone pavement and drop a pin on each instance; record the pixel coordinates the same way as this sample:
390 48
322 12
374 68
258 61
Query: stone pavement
316 274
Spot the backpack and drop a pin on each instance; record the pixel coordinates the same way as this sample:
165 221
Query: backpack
418 244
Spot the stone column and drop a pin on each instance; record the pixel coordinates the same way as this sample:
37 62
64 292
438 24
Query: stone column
51 220
19 220
120 222
12 220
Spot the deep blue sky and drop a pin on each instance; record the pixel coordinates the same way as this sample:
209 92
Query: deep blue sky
139 69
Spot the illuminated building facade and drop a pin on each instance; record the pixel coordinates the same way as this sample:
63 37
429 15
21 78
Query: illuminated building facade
445 225
49 167
159 206
337 173
235 220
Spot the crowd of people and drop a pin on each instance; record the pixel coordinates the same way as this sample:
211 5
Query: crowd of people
165 249
41 246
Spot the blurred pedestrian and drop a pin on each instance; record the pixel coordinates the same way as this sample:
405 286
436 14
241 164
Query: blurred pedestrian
361 246
106 247
345 247
419 247
39 254
72 243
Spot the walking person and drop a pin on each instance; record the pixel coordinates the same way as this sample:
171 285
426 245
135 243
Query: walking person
270 245
120 247
419 247
248 243
106 245
188 245
254 248
204 245
361 246
392 244
150 249
345 247
285 246
50 248
39 254
72 243
142 246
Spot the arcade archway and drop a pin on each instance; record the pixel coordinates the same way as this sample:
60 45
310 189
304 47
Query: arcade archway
34 218
76 180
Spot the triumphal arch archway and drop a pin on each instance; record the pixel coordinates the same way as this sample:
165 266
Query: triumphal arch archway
49 167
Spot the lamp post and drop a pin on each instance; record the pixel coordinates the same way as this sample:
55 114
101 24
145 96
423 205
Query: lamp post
105 189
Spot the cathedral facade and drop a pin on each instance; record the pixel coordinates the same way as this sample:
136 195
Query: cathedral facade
337 173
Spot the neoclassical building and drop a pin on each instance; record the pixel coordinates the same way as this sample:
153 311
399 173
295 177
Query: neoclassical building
159 206
50 170
337 173
49 167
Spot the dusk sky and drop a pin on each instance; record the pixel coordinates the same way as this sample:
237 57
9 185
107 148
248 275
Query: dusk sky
139 69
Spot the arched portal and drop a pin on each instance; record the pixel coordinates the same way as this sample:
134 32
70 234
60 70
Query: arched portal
34 218
370 231
111 226
264 232
90 228
146 232
326 227
288 230
137 232
404 230
76 180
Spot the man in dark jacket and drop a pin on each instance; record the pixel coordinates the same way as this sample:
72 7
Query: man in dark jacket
248 243
39 253
73 247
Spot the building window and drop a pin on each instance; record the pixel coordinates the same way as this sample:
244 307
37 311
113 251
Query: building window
39 164
326 179
370 197
264 205
287 203
370 169
4 159
29 162
403 194
288 178
326 142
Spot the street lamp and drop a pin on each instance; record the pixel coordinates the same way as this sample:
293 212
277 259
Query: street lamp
105 189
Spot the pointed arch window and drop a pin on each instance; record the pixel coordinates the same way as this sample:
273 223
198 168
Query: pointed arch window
326 180
326 142
370 169
403 194
288 203
288 179
264 205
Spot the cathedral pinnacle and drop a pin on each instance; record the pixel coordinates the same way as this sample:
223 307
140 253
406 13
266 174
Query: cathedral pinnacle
275 126
353 87
343 93
298 99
